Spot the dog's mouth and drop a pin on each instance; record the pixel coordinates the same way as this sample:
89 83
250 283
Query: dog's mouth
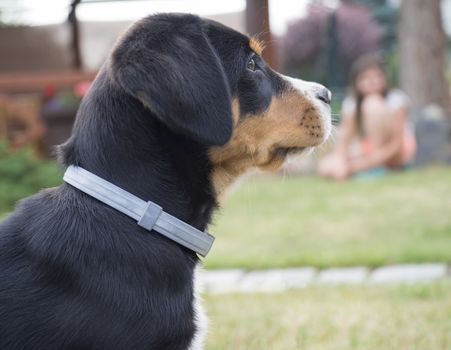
285 151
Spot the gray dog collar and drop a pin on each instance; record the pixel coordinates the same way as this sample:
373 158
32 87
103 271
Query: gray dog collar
148 214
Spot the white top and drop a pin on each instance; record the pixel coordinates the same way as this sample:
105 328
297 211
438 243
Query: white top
395 99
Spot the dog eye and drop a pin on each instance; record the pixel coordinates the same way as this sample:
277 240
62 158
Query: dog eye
251 65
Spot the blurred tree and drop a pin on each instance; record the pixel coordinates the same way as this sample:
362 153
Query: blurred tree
387 17
422 54
323 45
303 43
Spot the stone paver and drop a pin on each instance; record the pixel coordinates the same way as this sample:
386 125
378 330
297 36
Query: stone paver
345 275
221 281
408 273
277 280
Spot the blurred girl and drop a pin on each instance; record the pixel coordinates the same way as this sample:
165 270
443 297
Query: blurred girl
377 117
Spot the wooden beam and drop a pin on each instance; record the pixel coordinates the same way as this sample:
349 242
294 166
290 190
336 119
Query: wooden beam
34 82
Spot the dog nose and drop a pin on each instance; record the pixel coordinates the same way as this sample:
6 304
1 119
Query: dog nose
324 95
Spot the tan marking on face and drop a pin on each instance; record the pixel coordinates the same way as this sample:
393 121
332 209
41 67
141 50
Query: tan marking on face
256 45
235 111
290 121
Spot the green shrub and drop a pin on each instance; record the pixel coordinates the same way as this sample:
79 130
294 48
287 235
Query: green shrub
22 174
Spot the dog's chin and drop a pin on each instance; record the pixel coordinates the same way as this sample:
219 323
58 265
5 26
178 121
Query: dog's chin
287 151
279 156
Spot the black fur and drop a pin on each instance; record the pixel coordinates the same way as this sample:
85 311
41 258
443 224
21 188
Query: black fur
76 274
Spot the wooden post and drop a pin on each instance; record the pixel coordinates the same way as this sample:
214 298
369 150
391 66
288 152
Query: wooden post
75 35
257 24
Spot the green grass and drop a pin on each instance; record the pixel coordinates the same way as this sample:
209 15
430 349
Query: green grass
275 222
409 317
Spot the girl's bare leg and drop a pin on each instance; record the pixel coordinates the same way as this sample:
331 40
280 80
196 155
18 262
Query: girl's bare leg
333 166
387 133
377 119
377 123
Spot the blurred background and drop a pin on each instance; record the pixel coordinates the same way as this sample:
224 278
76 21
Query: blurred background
300 261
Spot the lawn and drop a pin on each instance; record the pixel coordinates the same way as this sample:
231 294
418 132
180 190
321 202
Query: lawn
278 222
407 317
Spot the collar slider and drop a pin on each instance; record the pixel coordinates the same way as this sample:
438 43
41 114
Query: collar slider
149 215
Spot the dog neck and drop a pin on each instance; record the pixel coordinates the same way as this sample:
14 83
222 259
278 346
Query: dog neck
118 139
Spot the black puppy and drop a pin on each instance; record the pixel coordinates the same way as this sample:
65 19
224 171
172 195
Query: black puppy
181 108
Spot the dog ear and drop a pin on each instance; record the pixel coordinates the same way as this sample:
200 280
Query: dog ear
168 63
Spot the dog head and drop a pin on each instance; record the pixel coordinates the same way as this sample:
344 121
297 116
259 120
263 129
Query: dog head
210 83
